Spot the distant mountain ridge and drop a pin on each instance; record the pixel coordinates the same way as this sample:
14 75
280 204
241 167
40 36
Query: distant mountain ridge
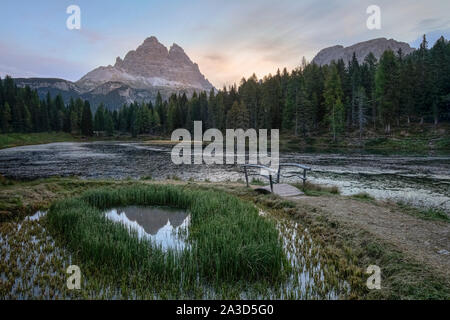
143 72
362 49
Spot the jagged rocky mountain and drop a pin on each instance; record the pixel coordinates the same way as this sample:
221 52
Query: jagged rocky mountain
150 66
138 77
361 50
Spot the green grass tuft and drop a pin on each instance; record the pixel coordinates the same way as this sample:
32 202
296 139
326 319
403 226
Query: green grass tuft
433 214
312 189
229 241
8 140
363 196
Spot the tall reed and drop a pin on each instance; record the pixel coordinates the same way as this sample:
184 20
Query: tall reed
229 241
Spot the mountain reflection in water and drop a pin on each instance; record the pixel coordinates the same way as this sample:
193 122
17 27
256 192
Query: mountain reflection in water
163 226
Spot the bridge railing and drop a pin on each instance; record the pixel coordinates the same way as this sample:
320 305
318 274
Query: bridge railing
249 172
274 175
289 174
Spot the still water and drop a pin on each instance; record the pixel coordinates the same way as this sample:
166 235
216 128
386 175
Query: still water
165 227
416 179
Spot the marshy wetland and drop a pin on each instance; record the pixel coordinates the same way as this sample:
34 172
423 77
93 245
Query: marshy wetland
229 249
421 180
156 236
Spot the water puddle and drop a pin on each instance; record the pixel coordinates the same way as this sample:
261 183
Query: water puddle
163 226
31 264
310 277
36 216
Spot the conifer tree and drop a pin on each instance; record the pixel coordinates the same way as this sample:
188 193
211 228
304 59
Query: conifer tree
386 82
238 116
86 120
333 96
5 117
99 118
304 115
109 124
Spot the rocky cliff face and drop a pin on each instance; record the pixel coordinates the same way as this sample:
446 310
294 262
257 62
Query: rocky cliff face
150 65
143 72
361 50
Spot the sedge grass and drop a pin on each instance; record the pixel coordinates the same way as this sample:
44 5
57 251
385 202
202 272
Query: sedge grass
229 241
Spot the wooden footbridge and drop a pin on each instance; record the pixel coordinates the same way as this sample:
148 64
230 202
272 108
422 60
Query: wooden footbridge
285 170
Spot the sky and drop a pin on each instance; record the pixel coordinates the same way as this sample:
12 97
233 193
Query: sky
229 39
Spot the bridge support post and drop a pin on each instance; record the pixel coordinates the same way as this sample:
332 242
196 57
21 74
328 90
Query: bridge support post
304 178
278 174
246 176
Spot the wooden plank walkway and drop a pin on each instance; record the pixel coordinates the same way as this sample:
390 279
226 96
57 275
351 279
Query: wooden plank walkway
282 190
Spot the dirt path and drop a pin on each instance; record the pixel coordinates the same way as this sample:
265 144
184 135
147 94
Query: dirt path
427 241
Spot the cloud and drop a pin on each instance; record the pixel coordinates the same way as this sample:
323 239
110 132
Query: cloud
258 39
91 35
216 57
19 62
6 70
432 24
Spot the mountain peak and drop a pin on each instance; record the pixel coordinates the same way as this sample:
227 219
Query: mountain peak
150 67
175 47
376 46
151 49
151 40
177 55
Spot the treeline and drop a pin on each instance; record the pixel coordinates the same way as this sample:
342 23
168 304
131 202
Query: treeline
21 110
312 99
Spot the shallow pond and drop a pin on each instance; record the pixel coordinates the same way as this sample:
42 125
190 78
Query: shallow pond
165 227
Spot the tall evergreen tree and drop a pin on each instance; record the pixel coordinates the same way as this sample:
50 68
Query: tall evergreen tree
159 107
2 94
86 120
99 118
290 112
109 124
361 100
304 115
368 81
333 96
238 116
386 82
5 117
355 80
